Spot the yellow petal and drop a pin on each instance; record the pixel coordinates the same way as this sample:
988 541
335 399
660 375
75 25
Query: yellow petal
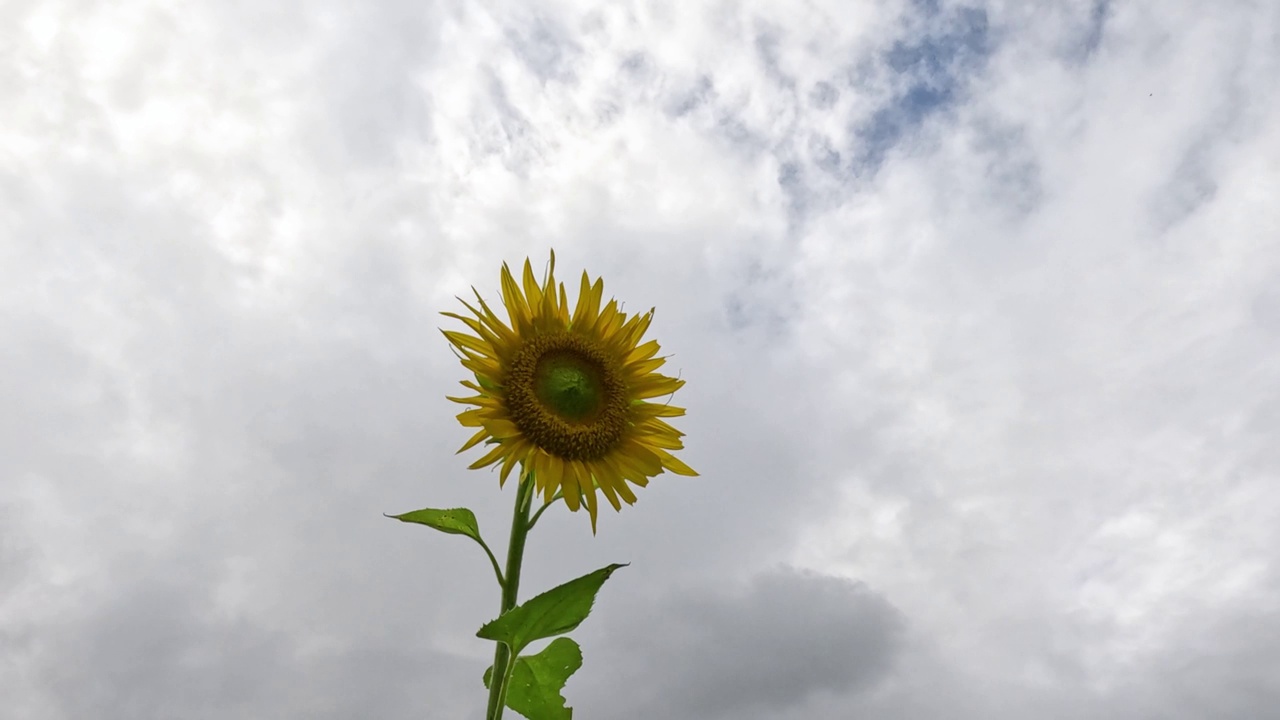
562 311
546 314
517 309
654 386
475 324
477 400
584 296
648 409
474 439
674 465
641 458
616 475
588 309
469 342
630 469
568 486
627 496
613 328
554 292
643 352
554 469
502 429
606 483
607 316
491 319
531 289
654 426
509 462
658 440
644 367
635 329
582 479
484 368
490 457
589 494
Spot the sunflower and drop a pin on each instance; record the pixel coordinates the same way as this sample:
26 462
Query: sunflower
566 395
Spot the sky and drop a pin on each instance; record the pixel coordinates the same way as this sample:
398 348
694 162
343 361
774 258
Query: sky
978 305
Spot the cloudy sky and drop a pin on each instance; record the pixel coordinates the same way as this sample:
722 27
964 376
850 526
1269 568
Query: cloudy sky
978 305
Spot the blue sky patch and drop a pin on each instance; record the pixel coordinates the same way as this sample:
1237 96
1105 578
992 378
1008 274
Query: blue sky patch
931 70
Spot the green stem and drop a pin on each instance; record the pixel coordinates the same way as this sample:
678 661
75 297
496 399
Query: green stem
502 660
497 571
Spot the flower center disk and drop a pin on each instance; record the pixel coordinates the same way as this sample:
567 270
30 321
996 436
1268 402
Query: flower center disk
568 385
566 394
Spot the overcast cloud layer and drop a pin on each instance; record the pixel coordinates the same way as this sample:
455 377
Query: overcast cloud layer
978 305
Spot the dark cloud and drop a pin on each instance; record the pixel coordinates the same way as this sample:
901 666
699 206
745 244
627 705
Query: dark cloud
1096 27
743 651
1227 665
156 646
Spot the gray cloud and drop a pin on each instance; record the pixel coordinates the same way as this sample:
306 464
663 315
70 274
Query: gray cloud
159 648
743 651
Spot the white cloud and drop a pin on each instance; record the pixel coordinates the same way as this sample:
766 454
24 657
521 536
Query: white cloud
976 304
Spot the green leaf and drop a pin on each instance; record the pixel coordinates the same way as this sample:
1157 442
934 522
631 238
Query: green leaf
554 612
536 681
456 521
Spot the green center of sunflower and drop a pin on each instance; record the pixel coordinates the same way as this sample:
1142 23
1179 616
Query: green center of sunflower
568 385
566 394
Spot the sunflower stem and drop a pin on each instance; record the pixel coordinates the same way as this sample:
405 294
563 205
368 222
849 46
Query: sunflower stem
503 662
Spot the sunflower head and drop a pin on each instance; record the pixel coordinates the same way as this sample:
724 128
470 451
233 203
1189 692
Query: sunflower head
566 395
